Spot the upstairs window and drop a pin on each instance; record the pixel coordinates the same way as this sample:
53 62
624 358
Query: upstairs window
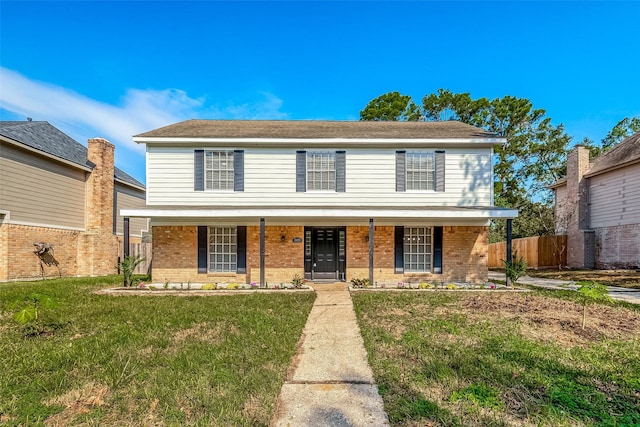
218 169
221 170
420 171
321 171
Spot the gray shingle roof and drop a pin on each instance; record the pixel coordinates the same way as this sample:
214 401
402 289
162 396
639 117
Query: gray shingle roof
626 152
317 129
45 137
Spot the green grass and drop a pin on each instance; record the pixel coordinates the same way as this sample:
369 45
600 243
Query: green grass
132 360
439 361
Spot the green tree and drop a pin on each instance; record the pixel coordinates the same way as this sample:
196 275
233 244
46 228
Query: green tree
623 129
391 106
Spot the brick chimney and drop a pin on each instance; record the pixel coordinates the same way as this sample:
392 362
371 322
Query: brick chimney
100 186
580 251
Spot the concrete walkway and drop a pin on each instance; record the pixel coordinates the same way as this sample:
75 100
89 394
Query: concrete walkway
617 293
330 382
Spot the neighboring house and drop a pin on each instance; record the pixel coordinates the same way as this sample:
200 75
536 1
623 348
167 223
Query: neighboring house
598 207
55 190
266 200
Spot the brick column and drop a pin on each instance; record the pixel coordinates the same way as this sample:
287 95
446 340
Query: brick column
98 247
576 208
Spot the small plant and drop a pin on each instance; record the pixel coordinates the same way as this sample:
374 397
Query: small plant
128 266
591 292
208 287
33 304
400 285
232 286
152 288
451 286
189 284
515 269
297 281
276 286
253 285
425 285
166 284
360 283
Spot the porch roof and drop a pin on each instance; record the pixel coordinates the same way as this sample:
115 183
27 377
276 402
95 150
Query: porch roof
437 215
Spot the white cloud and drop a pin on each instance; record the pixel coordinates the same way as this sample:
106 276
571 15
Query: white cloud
139 111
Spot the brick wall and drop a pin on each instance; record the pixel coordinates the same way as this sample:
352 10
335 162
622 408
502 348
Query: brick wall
618 247
465 254
23 263
175 255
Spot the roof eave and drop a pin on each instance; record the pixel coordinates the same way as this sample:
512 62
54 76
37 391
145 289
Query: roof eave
44 153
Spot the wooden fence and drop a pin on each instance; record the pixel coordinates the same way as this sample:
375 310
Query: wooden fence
142 249
538 251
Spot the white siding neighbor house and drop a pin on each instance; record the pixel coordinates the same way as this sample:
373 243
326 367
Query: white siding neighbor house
326 200
598 207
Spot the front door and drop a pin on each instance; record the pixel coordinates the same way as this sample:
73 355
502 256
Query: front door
322 253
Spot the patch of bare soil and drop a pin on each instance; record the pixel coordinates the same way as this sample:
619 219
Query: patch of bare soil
554 320
622 278
77 402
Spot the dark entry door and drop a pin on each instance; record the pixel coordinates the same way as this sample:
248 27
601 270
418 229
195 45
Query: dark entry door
325 248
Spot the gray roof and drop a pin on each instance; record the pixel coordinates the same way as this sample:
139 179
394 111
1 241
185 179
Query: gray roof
45 137
622 154
318 129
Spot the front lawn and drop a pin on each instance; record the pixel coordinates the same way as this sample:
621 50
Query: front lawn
145 360
622 278
502 359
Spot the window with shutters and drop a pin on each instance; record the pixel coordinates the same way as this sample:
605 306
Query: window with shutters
218 169
420 171
223 249
417 249
321 171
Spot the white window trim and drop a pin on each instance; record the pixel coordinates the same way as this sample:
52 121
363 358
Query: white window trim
404 262
406 172
209 253
307 170
206 181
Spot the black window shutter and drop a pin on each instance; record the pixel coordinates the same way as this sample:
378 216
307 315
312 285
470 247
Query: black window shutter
439 171
437 250
399 250
301 171
242 249
341 164
202 249
198 170
401 159
238 170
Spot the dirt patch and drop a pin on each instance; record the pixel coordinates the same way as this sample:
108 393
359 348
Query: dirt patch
77 402
554 320
622 278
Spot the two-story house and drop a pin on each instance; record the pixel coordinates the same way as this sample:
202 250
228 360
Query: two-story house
329 200
57 191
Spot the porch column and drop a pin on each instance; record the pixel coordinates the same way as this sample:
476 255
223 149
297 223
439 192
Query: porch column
262 252
371 246
509 247
126 236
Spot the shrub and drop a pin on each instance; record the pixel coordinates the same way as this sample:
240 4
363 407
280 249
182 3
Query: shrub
451 286
297 281
360 283
208 287
515 269
127 266
425 285
232 286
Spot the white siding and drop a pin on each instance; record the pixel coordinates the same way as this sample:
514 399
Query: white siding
615 197
270 180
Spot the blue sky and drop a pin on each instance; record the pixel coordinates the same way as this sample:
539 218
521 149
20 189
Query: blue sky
115 68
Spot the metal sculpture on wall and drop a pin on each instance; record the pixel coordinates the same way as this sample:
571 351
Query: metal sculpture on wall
44 251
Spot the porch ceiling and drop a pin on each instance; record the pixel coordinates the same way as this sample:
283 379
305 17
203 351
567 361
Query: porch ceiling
242 215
